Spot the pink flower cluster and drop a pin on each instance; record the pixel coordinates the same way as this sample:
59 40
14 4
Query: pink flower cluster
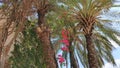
61 59
65 41
64 48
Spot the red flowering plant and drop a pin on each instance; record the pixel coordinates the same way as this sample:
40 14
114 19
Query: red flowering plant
61 59
64 48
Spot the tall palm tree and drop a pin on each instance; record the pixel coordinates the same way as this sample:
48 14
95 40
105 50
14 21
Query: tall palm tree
92 30
18 12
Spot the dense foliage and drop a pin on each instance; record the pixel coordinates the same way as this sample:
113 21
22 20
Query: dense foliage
27 50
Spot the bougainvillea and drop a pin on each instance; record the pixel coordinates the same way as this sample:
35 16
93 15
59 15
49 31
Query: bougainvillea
61 59
65 41
64 34
64 48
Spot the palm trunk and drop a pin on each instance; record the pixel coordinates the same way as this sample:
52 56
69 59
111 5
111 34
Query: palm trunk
48 52
92 56
44 36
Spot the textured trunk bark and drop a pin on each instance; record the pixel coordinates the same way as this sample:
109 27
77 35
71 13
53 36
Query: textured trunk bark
72 58
48 52
92 56
44 36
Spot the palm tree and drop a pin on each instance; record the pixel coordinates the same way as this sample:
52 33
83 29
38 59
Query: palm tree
92 30
17 13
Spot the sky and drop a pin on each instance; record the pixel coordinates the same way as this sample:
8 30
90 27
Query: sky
116 52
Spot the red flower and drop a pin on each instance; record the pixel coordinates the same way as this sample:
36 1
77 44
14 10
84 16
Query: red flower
65 41
61 59
64 34
65 48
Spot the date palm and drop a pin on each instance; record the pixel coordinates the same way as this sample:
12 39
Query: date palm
92 30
